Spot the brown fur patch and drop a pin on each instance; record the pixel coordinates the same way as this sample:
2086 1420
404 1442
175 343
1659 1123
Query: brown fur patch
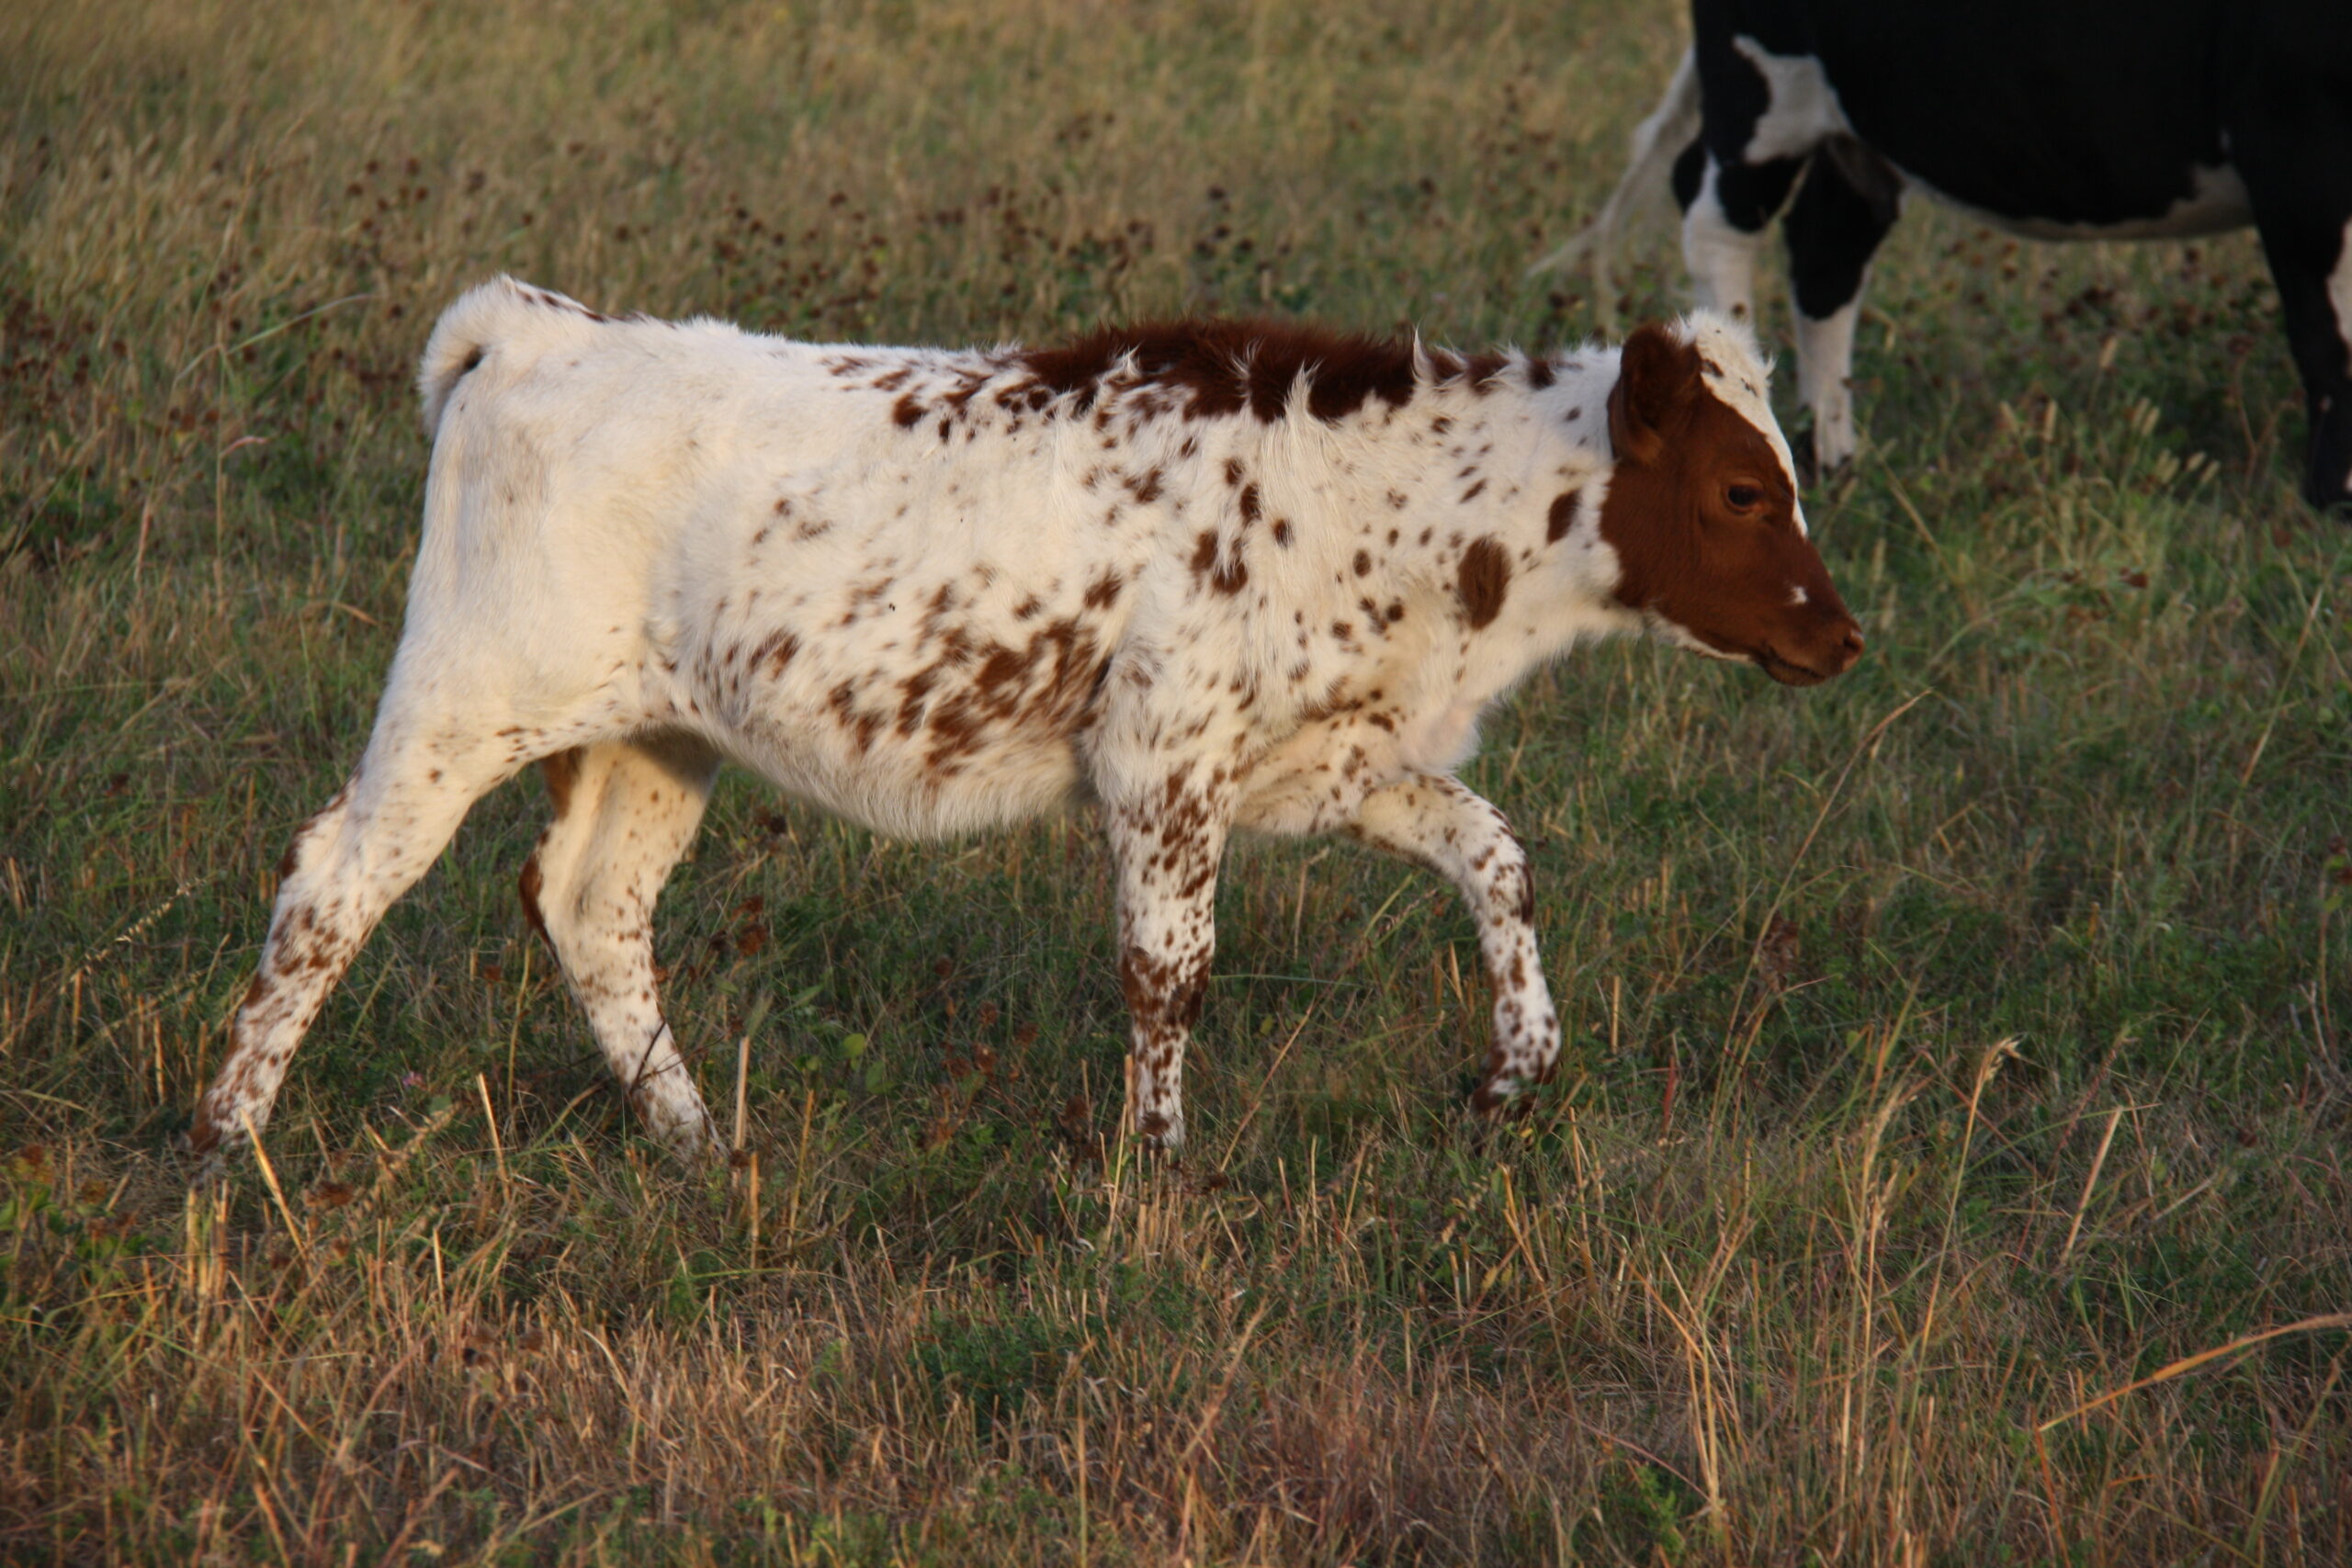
561 772
1228 577
774 652
1481 371
1484 582
529 886
1562 517
1226 367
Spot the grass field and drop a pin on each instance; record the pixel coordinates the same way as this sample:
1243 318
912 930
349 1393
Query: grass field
1954 1050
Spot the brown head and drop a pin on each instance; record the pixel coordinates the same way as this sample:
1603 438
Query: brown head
1702 509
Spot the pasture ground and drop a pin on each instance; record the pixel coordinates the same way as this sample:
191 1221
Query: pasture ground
1951 1047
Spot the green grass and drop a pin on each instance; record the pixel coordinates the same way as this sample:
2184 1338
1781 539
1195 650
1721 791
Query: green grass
1951 1046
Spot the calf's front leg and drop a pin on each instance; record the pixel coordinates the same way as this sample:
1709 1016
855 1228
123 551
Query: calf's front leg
1436 821
1166 847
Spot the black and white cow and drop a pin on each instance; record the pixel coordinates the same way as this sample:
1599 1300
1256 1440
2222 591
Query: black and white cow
2073 119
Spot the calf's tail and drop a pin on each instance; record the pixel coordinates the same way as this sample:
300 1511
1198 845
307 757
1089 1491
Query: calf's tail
504 314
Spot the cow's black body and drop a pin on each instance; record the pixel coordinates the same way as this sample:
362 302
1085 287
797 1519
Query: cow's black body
2056 118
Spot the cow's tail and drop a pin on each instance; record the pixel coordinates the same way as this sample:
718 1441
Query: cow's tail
501 315
1658 140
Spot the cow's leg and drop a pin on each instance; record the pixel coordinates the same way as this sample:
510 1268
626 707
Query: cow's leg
1436 821
1167 842
624 812
2311 262
1848 202
2306 223
387 824
2288 122
1723 228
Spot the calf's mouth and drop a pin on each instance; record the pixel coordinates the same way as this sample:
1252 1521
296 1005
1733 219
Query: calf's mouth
1812 672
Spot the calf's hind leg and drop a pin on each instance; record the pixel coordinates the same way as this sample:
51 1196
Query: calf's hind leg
624 812
345 866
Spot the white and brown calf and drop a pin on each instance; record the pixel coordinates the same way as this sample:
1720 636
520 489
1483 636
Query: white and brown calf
1203 577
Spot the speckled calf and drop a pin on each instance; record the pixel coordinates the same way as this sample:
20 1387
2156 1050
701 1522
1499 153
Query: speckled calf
1193 577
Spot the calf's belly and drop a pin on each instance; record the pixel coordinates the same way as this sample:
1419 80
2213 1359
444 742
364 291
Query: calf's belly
862 765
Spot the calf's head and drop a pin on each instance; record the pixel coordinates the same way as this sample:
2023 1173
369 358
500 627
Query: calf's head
1702 512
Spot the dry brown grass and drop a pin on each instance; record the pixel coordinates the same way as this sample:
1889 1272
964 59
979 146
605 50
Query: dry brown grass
1615 1358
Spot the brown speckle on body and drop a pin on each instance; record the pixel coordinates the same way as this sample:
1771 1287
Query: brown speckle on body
1483 582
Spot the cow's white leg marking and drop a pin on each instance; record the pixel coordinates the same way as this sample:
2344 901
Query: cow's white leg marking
1825 382
1436 821
624 812
1721 256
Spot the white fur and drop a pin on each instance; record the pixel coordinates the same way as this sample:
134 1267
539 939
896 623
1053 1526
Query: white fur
1826 381
1801 109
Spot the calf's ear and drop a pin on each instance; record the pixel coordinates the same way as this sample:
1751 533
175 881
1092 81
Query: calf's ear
1657 376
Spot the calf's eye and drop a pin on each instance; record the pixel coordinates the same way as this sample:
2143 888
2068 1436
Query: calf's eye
1743 498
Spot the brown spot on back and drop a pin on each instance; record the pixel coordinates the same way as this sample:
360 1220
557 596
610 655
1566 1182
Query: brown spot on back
1226 367
1483 370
